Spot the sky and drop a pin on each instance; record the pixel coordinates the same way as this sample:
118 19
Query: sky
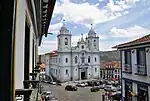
114 21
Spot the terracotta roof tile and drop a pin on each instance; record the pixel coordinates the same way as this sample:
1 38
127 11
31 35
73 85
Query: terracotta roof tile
144 39
54 53
113 64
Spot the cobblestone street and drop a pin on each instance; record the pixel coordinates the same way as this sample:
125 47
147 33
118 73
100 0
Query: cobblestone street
83 94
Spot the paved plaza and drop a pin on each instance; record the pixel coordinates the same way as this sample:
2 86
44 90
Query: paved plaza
83 94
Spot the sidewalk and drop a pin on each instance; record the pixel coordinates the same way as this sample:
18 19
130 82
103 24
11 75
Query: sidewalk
34 96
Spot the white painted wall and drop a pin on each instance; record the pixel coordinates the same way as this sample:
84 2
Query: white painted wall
47 57
20 36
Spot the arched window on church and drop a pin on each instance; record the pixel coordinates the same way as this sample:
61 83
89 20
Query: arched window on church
95 69
66 60
95 59
94 42
76 59
59 41
66 41
66 71
89 59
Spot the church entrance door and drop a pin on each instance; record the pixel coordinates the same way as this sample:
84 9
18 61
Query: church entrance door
83 75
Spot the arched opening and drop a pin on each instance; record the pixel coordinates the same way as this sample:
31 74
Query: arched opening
66 41
76 59
94 42
66 71
66 60
89 59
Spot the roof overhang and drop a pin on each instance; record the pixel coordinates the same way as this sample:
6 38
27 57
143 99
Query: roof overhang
140 41
46 15
41 13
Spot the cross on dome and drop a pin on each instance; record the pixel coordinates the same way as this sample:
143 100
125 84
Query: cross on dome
63 22
91 26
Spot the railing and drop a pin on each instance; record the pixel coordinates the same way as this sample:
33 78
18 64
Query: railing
29 91
141 69
127 68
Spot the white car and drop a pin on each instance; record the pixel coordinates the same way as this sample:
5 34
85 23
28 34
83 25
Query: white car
81 84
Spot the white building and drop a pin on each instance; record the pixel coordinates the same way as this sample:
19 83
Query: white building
135 59
75 63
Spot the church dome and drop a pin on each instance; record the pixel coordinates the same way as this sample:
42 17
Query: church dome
91 33
64 30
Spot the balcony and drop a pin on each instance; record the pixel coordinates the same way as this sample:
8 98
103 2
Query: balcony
141 69
127 69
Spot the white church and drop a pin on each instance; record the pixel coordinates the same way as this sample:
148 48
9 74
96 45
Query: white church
75 63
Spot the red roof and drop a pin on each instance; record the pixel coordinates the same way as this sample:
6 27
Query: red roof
141 40
107 65
54 53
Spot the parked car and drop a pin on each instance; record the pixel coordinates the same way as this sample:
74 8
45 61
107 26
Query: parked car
53 83
71 88
82 84
51 98
94 89
90 83
96 83
102 86
59 84
47 82
86 84
44 94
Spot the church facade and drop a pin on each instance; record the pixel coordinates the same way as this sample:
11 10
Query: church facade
75 63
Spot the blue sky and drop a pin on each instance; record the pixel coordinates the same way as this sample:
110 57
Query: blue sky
114 21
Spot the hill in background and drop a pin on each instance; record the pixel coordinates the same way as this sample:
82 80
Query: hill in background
106 56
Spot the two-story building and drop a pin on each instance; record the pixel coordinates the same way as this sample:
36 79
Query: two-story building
110 70
23 24
135 63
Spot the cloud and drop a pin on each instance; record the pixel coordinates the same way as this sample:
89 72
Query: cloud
47 46
85 13
132 32
54 28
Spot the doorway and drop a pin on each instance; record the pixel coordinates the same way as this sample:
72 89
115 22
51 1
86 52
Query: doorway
26 51
83 75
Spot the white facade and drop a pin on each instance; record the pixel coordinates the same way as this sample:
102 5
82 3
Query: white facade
79 62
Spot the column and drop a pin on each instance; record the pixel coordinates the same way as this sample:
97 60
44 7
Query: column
123 89
147 60
20 38
134 89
